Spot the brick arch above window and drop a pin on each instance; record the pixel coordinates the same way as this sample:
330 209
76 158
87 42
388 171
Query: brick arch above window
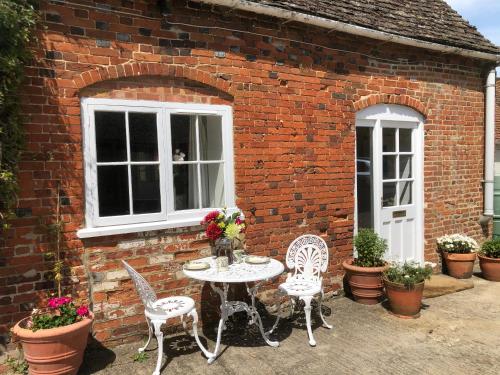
128 70
404 100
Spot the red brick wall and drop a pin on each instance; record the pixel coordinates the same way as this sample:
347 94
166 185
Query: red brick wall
294 108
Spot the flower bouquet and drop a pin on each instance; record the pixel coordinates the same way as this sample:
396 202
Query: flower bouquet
222 230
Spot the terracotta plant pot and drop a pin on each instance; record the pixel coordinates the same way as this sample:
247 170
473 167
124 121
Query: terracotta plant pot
490 267
459 266
54 351
365 282
404 302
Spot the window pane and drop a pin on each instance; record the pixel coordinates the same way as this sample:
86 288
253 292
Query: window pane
111 139
405 166
212 185
405 140
405 192
389 167
112 187
389 194
146 189
363 142
183 130
364 177
389 140
143 136
210 137
185 187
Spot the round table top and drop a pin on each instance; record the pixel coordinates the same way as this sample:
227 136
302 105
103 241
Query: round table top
237 272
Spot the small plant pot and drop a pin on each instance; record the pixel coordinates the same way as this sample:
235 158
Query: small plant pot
404 302
55 351
459 266
365 282
490 267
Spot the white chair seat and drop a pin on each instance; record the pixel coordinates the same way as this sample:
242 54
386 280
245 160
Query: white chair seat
297 287
170 307
307 255
159 311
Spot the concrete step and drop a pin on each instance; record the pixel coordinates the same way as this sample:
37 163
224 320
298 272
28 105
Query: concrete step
440 284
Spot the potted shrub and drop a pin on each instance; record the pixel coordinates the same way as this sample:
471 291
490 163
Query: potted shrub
404 286
459 254
364 272
489 259
54 339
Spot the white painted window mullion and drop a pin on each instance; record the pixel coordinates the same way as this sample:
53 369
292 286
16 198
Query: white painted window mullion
198 166
129 157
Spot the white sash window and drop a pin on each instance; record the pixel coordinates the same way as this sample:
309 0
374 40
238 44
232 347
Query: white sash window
152 165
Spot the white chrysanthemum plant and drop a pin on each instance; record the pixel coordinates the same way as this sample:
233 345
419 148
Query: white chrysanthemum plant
457 244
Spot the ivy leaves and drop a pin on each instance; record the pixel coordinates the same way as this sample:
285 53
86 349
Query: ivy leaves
17 22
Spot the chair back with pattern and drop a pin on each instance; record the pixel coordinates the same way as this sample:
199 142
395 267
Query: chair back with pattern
307 255
147 294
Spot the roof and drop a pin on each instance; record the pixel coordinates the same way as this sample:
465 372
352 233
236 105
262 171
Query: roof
428 20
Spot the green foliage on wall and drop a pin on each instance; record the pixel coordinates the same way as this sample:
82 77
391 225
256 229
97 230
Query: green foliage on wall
17 23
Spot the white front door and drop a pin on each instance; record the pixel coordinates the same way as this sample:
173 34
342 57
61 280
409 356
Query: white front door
389 194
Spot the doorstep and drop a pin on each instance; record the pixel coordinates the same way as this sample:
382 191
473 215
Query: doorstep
440 284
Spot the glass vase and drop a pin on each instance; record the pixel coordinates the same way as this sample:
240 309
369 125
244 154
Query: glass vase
224 247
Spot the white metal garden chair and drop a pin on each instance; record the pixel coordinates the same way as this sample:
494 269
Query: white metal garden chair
158 311
307 255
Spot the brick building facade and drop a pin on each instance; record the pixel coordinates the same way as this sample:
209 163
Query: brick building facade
294 91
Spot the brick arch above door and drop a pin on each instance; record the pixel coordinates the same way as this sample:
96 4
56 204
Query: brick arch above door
128 70
404 100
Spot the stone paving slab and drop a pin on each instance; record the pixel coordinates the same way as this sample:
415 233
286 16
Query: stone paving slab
456 334
440 284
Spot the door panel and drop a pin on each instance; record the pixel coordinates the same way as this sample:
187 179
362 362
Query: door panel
398 211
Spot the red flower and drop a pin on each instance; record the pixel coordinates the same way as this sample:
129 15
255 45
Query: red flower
213 231
82 311
56 302
210 217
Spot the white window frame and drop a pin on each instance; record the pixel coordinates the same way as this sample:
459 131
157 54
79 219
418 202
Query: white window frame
167 217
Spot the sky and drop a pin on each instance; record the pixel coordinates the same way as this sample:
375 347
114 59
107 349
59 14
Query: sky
484 14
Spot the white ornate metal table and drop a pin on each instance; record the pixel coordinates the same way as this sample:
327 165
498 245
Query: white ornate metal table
238 273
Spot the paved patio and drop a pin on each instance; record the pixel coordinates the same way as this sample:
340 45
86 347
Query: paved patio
457 334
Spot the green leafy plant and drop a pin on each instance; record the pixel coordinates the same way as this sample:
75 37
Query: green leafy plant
140 357
17 366
370 248
17 22
491 248
408 274
61 311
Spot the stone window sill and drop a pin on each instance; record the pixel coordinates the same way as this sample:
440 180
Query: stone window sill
135 228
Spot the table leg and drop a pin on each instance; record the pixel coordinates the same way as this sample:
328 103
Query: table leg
255 316
223 318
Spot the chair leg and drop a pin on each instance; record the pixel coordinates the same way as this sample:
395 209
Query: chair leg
292 307
150 334
159 337
275 325
307 310
194 315
325 324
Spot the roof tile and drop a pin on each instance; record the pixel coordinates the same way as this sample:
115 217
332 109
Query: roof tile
428 20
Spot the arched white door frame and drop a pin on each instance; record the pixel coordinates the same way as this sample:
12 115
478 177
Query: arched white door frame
377 118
